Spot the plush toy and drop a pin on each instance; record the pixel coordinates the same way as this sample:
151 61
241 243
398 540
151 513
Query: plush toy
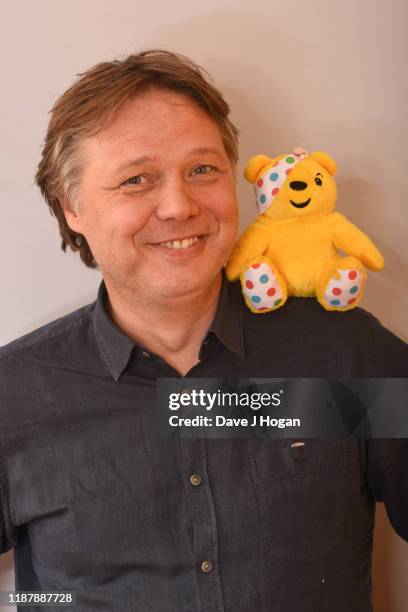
291 248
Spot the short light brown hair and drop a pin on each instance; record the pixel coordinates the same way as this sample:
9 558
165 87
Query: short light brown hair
90 104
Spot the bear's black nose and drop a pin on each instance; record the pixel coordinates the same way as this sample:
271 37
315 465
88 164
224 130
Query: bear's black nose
298 185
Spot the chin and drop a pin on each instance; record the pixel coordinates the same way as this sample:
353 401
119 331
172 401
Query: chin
183 283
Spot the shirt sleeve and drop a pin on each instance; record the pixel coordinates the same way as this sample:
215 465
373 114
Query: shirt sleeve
387 465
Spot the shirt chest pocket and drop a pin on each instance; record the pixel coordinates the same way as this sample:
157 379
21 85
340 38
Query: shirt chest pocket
301 498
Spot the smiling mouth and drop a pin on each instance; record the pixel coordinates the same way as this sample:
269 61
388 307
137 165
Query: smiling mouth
300 204
181 243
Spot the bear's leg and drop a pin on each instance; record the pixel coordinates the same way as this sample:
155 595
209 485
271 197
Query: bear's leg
342 285
263 286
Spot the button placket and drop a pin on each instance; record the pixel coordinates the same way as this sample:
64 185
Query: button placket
203 519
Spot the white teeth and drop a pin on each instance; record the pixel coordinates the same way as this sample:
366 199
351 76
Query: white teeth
180 244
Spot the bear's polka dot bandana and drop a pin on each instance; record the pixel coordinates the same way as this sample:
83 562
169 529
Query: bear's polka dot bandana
268 184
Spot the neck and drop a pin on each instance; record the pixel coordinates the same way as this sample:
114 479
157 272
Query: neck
172 328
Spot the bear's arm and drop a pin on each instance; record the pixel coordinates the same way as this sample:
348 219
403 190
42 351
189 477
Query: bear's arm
253 242
350 239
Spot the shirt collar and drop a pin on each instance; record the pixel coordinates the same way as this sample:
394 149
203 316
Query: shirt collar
227 323
117 347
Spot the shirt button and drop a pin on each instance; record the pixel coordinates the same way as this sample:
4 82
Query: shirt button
195 479
146 354
206 566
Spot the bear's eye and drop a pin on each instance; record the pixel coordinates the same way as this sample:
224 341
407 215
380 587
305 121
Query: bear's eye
318 180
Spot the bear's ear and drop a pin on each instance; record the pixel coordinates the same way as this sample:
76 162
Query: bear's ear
254 166
325 160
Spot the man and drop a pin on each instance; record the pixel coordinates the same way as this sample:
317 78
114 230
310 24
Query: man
138 167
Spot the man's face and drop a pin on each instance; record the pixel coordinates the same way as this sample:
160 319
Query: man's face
157 201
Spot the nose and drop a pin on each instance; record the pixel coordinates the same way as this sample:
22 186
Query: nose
176 202
298 185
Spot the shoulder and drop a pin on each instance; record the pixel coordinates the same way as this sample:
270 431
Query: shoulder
52 332
36 369
306 316
352 343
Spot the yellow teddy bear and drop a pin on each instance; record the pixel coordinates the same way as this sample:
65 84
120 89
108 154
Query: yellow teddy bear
291 248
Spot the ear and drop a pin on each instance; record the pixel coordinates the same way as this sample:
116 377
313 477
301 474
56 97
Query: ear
325 160
71 216
254 166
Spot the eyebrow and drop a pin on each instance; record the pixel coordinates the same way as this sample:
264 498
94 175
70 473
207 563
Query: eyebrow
132 162
202 150
146 158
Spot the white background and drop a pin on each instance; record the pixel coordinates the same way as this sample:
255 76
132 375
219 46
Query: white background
321 74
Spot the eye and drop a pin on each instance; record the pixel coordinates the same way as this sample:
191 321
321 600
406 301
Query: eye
134 180
318 180
203 169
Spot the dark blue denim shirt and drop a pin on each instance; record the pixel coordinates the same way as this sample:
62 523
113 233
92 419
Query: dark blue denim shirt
93 503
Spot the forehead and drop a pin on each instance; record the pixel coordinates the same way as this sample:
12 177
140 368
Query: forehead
157 121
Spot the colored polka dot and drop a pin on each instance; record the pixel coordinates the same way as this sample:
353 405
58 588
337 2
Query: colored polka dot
259 182
336 291
354 289
249 284
290 159
352 275
271 291
275 164
264 278
263 308
288 171
351 301
274 176
277 302
255 266
275 191
256 299
335 302
262 199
